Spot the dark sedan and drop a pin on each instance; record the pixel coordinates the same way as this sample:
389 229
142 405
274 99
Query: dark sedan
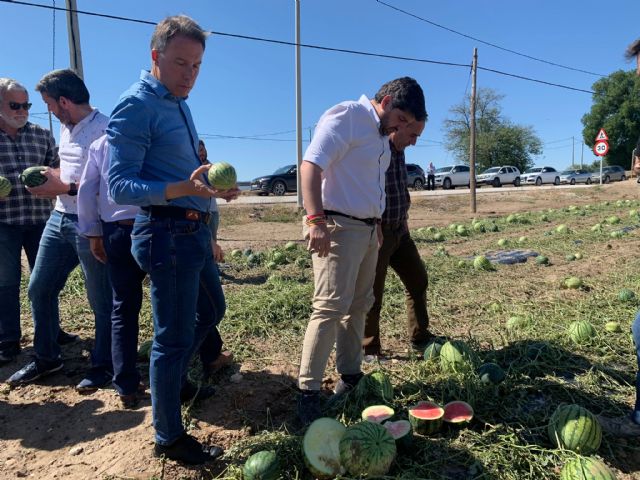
281 181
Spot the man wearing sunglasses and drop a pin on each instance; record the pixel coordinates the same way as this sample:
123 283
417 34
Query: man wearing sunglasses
22 216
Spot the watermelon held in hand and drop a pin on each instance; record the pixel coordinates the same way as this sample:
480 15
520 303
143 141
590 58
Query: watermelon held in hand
377 413
581 331
367 449
222 176
582 468
144 352
401 432
575 428
491 373
5 187
321 448
262 465
457 412
456 356
33 176
426 417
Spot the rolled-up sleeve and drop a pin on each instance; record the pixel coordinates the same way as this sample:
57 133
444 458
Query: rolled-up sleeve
130 134
332 137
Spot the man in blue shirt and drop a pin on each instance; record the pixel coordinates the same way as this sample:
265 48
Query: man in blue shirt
154 164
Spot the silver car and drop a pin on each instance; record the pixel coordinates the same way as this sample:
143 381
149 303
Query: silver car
609 174
575 176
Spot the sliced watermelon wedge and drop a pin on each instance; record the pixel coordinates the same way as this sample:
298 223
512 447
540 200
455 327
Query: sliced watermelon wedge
426 417
401 432
321 446
377 413
458 412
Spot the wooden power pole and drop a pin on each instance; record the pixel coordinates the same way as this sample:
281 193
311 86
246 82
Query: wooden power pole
75 54
472 132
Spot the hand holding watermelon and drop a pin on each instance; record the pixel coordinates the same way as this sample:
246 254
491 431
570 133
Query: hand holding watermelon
223 179
51 187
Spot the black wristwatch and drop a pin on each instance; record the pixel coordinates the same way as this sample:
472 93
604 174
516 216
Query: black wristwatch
73 189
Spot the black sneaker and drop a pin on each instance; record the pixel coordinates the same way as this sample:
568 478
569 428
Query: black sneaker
33 371
309 406
98 377
191 392
347 383
8 352
188 450
65 338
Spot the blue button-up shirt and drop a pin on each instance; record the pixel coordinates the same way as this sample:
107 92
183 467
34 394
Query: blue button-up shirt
153 142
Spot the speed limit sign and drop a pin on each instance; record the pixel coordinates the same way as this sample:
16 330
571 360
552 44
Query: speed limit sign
601 148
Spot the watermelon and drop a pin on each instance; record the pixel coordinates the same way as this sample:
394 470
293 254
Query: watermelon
426 417
479 227
462 231
367 449
482 263
542 260
597 227
375 386
247 252
626 295
573 282
262 465
457 412
5 187
491 373
377 413
432 350
438 237
401 432
613 220
513 218
493 228
33 176
522 239
575 428
544 218
253 259
236 253
582 468
562 228
456 356
617 234
301 262
581 331
321 447
633 213
578 256
502 242
271 266
613 327
453 226
222 176
462 264
291 246
570 257
144 352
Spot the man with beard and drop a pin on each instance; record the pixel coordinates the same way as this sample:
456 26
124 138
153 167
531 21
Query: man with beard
61 248
343 180
22 215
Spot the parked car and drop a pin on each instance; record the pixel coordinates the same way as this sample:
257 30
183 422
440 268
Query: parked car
415 176
283 180
575 176
498 176
540 175
609 174
452 176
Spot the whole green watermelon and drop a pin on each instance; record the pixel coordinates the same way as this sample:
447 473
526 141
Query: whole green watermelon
575 428
491 373
582 468
222 176
375 387
581 331
456 356
33 176
367 449
262 465
5 187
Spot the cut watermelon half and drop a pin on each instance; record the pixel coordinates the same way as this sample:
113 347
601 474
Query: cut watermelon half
377 413
401 432
321 446
426 417
458 412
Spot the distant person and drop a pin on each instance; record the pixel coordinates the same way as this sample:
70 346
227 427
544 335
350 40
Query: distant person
343 181
61 248
155 165
108 227
22 215
400 252
629 425
431 177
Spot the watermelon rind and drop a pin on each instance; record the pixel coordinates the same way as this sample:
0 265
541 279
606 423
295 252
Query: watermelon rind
5 187
263 465
367 449
426 417
581 331
33 176
401 432
321 447
491 373
456 356
575 428
377 413
457 412
582 468
222 176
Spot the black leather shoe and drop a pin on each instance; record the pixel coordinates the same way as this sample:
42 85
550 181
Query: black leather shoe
191 392
8 352
65 338
188 450
309 406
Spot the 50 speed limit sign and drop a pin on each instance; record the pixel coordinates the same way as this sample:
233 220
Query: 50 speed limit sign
601 148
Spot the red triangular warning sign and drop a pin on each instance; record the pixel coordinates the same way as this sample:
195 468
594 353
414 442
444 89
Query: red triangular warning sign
602 135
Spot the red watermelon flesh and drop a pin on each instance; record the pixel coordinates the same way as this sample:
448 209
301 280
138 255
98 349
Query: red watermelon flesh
426 417
457 412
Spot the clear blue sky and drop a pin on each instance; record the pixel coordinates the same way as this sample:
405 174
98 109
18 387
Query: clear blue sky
246 88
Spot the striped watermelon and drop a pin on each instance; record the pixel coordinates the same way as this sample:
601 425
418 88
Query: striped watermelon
262 465
575 428
456 356
222 176
426 417
321 447
367 449
374 387
377 413
581 331
33 176
5 187
582 468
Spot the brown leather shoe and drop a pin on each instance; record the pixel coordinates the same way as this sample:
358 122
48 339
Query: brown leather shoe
224 360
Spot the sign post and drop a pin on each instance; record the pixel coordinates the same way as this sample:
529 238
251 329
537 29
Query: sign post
601 148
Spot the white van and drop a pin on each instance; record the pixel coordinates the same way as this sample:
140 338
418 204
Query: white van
452 176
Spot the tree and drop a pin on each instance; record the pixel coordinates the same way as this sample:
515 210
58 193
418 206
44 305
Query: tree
616 108
498 140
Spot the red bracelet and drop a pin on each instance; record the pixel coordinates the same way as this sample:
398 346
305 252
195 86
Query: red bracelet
320 215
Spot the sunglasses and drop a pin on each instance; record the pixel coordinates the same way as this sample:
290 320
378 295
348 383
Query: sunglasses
18 106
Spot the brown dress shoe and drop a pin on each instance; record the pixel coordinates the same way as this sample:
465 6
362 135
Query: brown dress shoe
224 360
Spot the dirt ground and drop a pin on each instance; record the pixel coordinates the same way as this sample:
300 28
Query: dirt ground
48 430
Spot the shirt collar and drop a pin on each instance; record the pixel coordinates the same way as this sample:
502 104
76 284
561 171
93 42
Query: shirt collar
158 88
89 118
372 111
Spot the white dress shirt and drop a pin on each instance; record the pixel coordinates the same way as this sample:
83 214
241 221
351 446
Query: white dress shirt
73 152
354 156
94 201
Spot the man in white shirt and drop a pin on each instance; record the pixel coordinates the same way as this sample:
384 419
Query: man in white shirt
343 187
61 248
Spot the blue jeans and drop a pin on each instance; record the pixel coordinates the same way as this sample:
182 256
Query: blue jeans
178 258
60 251
635 331
126 282
13 238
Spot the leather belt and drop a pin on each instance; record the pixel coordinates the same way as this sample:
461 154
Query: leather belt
126 222
368 221
177 213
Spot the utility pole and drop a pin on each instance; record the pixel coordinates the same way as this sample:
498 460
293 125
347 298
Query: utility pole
75 54
298 106
582 155
573 151
472 132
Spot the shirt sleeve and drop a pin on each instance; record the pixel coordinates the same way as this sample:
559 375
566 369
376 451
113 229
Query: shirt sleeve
130 133
332 137
88 215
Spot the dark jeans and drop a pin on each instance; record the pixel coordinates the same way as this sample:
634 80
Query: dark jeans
635 331
178 258
13 238
400 253
126 283
431 182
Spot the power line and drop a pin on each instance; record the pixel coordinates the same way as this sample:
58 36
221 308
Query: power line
316 47
488 43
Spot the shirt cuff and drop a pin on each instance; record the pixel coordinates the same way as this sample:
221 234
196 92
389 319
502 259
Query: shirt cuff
91 230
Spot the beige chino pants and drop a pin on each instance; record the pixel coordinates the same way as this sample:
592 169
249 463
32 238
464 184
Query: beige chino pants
343 295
